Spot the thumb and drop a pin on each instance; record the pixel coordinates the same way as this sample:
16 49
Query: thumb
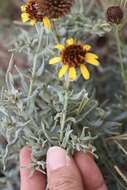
62 171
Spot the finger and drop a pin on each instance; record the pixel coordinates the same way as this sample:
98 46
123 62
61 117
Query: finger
37 180
62 171
91 174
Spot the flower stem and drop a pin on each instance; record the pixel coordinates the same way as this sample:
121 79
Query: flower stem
57 38
33 75
35 62
118 43
64 113
81 6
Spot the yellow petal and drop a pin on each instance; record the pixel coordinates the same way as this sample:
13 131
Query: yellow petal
60 47
33 22
70 41
47 23
72 73
92 61
85 72
91 56
63 70
55 60
23 8
25 17
87 47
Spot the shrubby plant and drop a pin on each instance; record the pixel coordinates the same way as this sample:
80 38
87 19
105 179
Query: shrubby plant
66 104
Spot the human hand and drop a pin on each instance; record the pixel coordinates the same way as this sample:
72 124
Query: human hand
63 172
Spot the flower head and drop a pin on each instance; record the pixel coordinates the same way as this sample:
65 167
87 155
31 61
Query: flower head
43 10
115 14
32 11
74 55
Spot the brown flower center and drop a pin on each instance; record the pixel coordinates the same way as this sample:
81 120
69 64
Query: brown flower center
34 10
56 8
73 55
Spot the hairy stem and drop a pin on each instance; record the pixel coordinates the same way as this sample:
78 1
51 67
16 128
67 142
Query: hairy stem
33 75
81 6
57 38
118 43
64 113
35 63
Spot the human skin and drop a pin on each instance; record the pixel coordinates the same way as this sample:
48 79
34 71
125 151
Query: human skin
63 172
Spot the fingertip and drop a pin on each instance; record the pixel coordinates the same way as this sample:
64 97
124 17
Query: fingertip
25 150
79 155
25 155
56 158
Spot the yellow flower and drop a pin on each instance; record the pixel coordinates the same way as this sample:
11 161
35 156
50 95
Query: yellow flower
31 12
74 55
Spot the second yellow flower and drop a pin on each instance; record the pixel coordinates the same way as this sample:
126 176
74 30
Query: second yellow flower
74 55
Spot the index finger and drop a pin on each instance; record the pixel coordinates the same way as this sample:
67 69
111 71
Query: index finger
37 180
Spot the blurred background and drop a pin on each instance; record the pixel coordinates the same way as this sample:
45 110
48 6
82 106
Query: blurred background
9 14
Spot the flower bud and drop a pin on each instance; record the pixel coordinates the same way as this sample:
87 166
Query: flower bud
115 14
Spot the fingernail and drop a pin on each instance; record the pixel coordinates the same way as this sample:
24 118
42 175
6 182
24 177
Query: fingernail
57 158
